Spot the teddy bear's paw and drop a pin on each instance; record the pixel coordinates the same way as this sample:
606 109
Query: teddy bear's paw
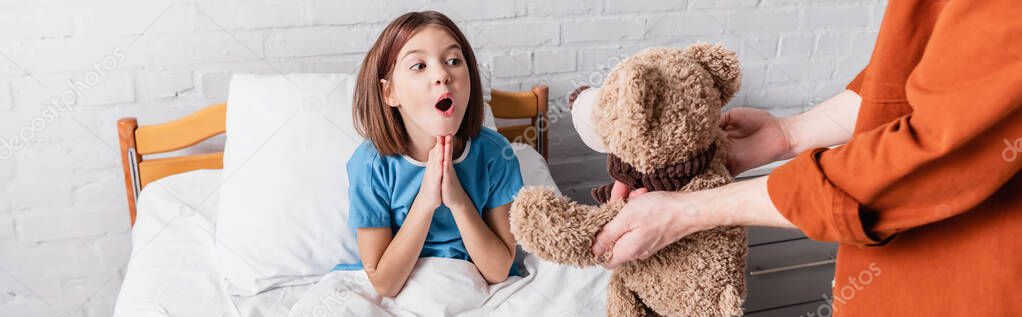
555 228
729 303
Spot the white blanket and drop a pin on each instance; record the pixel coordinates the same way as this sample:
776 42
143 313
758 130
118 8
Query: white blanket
448 287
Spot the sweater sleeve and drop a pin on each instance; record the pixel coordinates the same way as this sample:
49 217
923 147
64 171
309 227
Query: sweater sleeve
958 146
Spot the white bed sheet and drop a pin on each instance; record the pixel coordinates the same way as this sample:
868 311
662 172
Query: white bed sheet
450 287
172 270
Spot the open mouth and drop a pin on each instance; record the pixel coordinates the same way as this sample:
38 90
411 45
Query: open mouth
445 105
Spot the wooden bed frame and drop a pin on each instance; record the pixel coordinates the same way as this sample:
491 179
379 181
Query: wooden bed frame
137 141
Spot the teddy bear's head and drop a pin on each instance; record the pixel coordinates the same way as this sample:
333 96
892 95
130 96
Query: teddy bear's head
661 107
656 116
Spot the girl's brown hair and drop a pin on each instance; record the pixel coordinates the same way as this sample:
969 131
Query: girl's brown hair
382 124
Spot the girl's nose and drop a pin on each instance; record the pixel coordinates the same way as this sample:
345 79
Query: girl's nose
442 77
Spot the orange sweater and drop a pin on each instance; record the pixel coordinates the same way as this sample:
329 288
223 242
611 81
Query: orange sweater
925 200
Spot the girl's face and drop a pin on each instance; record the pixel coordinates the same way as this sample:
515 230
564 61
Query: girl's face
430 83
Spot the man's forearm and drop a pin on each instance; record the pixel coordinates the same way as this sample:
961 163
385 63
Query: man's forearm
827 124
744 203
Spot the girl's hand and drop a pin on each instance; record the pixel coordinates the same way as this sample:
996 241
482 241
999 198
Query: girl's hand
759 138
649 222
454 196
430 194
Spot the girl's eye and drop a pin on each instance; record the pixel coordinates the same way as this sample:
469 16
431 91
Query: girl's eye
417 66
454 62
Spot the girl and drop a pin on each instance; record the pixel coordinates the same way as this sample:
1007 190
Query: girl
429 181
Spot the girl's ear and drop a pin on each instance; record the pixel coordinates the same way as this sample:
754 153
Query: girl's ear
387 97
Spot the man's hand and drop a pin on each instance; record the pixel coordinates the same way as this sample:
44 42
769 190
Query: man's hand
620 191
758 138
649 222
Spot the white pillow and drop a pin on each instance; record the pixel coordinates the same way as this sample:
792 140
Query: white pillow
283 210
488 120
283 202
533 167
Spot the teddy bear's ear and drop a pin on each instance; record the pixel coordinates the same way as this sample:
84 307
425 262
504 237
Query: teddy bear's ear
633 94
722 64
627 103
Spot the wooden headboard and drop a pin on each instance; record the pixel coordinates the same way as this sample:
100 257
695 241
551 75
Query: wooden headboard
137 141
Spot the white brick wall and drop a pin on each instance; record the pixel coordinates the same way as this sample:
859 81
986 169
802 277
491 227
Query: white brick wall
64 234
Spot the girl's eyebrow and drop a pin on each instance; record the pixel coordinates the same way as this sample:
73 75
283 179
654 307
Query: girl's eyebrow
452 46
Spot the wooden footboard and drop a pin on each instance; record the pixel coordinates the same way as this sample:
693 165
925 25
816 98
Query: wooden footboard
138 141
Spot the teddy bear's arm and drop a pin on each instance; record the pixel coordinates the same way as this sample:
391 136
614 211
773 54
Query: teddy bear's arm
558 229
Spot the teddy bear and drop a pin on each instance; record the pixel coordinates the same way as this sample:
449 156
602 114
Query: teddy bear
656 116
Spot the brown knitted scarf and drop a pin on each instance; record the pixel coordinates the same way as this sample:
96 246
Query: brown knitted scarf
667 178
